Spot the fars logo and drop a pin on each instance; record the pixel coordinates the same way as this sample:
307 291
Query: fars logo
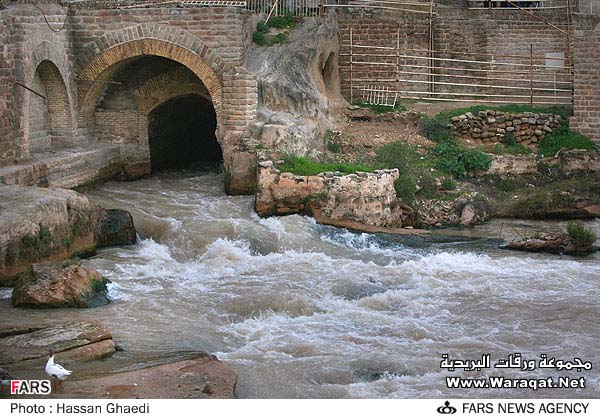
30 387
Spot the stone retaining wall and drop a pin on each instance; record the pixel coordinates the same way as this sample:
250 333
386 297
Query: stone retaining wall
491 126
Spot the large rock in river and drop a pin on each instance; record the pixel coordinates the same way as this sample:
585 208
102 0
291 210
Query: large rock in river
72 342
55 284
115 227
40 224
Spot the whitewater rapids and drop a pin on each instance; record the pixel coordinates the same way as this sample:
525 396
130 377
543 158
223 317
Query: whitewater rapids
303 310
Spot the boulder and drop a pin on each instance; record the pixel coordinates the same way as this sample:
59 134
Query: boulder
72 342
38 224
115 227
59 285
552 243
471 211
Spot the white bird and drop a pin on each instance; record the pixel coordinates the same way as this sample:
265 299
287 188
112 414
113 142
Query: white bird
57 372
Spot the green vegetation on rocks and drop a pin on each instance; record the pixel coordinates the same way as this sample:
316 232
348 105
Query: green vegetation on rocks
262 37
581 236
378 109
563 137
304 166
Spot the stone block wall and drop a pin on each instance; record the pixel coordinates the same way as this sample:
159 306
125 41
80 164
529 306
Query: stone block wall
491 126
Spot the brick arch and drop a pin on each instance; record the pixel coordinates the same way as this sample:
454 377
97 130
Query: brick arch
48 70
153 40
48 120
164 87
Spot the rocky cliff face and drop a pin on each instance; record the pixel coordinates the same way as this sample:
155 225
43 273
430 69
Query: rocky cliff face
299 88
361 198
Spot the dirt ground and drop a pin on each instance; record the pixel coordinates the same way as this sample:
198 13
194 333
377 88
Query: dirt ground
360 132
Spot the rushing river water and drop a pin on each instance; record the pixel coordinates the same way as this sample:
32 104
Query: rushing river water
304 310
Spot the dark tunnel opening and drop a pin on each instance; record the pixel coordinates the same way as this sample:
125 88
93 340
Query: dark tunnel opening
181 132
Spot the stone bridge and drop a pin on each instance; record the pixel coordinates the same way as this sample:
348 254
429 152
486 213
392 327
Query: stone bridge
129 81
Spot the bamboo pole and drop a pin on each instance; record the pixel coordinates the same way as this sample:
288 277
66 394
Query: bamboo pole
398 57
531 72
271 12
568 37
488 86
480 70
391 80
525 97
453 99
351 67
431 47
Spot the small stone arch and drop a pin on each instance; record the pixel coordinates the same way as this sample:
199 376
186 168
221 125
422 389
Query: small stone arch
48 119
195 57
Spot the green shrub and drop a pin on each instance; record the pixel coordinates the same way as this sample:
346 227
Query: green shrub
406 187
282 22
259 38
416 176
563 137
280 38
452 158
448 158
509 139
448 184
475 160
435 130
262 27
400 155
581 236
306 167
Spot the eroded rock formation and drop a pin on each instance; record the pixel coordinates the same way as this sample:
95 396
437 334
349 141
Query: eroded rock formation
39 224
56 284
362 198
299 88
72 342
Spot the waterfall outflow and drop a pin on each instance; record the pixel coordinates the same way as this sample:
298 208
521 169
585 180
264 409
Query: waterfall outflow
304 310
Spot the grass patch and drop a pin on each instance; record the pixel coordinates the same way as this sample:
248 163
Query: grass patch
262 37
564 111
581 236
563 137
418 177
304 166
378 109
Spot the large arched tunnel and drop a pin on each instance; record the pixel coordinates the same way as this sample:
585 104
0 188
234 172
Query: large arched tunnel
162 115
181 133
